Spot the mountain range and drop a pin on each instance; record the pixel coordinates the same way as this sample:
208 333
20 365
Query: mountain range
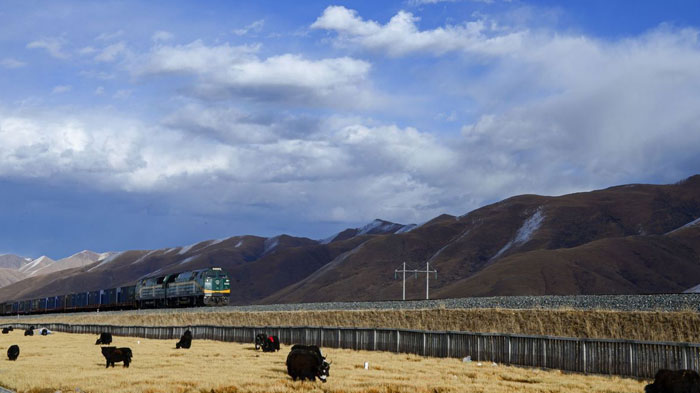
15 268
636 238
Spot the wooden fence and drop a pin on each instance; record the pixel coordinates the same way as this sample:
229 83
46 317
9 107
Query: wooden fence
639 359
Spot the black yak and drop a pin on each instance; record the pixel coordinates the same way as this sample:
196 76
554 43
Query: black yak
29 332
105 339
44 331
13 352
271 344
307 362
185 341
679 381
5 330
114 354
260 339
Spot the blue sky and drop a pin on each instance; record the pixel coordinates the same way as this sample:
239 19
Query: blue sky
137 125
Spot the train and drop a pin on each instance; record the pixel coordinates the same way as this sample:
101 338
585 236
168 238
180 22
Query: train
202 287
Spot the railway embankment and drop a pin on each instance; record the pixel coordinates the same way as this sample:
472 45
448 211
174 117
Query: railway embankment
641 317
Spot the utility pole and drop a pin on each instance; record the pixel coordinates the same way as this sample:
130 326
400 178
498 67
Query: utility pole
404 278
427 272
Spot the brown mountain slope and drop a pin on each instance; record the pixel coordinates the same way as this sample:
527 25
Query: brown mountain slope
634 264
508 247
9 276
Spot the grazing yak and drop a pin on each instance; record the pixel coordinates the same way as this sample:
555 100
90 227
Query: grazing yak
307 362
45 332
679 381
260 339
29 332
271 344
114 354
105 339
185 340
13 352
5 330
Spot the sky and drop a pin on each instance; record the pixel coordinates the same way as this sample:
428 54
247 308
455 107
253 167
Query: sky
142 125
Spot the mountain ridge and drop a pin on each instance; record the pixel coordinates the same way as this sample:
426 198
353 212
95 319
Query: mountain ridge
614 240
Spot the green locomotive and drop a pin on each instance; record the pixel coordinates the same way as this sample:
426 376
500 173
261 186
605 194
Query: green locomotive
203 287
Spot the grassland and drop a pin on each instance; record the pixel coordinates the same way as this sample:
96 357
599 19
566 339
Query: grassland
72 363
649 326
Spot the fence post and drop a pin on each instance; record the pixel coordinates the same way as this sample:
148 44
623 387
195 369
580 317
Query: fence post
631 360
544 352
478 348
509 350
424 344
448 344
375 339
398 341
584 356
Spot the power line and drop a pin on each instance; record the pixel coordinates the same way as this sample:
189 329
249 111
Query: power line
427 272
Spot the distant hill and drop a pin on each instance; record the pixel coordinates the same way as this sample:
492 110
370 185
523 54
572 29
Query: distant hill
627 239
11 261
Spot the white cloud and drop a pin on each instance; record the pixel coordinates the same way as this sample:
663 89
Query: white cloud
109 36
111 52
99 90
423 2
122 94
10 62
161 36
54 46
223 70
61 89
86 51
383 170
254 27
588 113
401 36
93 74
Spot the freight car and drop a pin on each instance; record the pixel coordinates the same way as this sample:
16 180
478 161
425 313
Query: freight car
203 287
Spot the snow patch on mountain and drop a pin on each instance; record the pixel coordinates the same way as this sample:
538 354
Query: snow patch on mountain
36 264
107 260
465 233
529 227
188 259
270 244
216 241
240 243
407 228
688 225
186 248
376 227
143 258
379 226
329 239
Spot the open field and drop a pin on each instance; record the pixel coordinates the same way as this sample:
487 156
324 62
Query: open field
680 326
71 362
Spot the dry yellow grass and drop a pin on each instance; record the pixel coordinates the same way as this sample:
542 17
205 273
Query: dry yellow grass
71 362
649 326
